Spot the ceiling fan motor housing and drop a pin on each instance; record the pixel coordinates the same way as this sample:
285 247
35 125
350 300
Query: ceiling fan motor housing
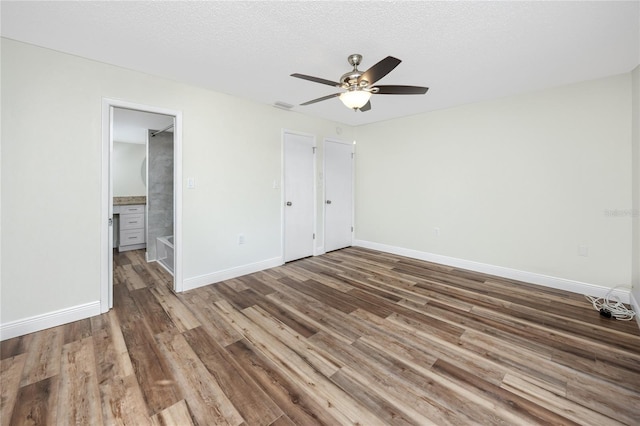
350 80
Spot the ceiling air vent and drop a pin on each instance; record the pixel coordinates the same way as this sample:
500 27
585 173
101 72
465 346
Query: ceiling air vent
283 105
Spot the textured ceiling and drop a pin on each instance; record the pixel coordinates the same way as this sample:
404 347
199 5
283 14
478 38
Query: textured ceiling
463 51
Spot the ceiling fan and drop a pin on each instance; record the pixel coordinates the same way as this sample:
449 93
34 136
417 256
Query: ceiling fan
359 85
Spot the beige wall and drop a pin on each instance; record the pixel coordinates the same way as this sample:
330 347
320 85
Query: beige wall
51 175
518 183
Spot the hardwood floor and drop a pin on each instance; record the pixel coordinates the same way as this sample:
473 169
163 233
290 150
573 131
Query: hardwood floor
351 337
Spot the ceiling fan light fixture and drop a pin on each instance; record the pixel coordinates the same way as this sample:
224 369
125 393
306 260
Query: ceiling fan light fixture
355 99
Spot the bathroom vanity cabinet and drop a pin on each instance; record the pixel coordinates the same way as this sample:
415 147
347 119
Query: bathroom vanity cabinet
131 223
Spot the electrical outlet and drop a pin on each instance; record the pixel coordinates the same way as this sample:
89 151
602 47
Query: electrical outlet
583 250
241 239
436 231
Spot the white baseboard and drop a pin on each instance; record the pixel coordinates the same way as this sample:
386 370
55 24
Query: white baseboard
227 274
500 271
48 320
635 305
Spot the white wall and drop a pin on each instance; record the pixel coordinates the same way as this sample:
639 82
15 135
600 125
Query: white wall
636 186
127 162
51 168
518 183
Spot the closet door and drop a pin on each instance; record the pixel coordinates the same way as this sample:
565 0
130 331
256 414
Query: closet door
299 190
338 207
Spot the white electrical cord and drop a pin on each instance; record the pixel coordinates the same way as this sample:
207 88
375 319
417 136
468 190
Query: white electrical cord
612 304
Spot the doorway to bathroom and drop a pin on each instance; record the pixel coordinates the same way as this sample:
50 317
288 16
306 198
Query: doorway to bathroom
142 151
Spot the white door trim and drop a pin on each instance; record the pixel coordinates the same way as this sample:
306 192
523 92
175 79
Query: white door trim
106 280
324 187
282 194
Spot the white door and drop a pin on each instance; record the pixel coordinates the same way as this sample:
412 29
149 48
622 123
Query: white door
299 190
338 207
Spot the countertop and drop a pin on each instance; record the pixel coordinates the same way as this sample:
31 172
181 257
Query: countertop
128 201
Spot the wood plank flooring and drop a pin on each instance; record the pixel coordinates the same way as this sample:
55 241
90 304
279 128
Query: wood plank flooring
351 337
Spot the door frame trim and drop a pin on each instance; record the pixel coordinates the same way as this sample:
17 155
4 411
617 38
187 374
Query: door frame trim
324 187
316 251
106 278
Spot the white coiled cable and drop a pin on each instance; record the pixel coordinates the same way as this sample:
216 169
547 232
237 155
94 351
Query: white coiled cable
612 304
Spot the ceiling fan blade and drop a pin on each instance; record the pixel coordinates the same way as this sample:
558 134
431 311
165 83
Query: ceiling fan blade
324 98
316 80
365 107
401 90
379 70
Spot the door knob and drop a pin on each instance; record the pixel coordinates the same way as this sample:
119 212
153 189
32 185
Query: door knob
289 203
328 201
